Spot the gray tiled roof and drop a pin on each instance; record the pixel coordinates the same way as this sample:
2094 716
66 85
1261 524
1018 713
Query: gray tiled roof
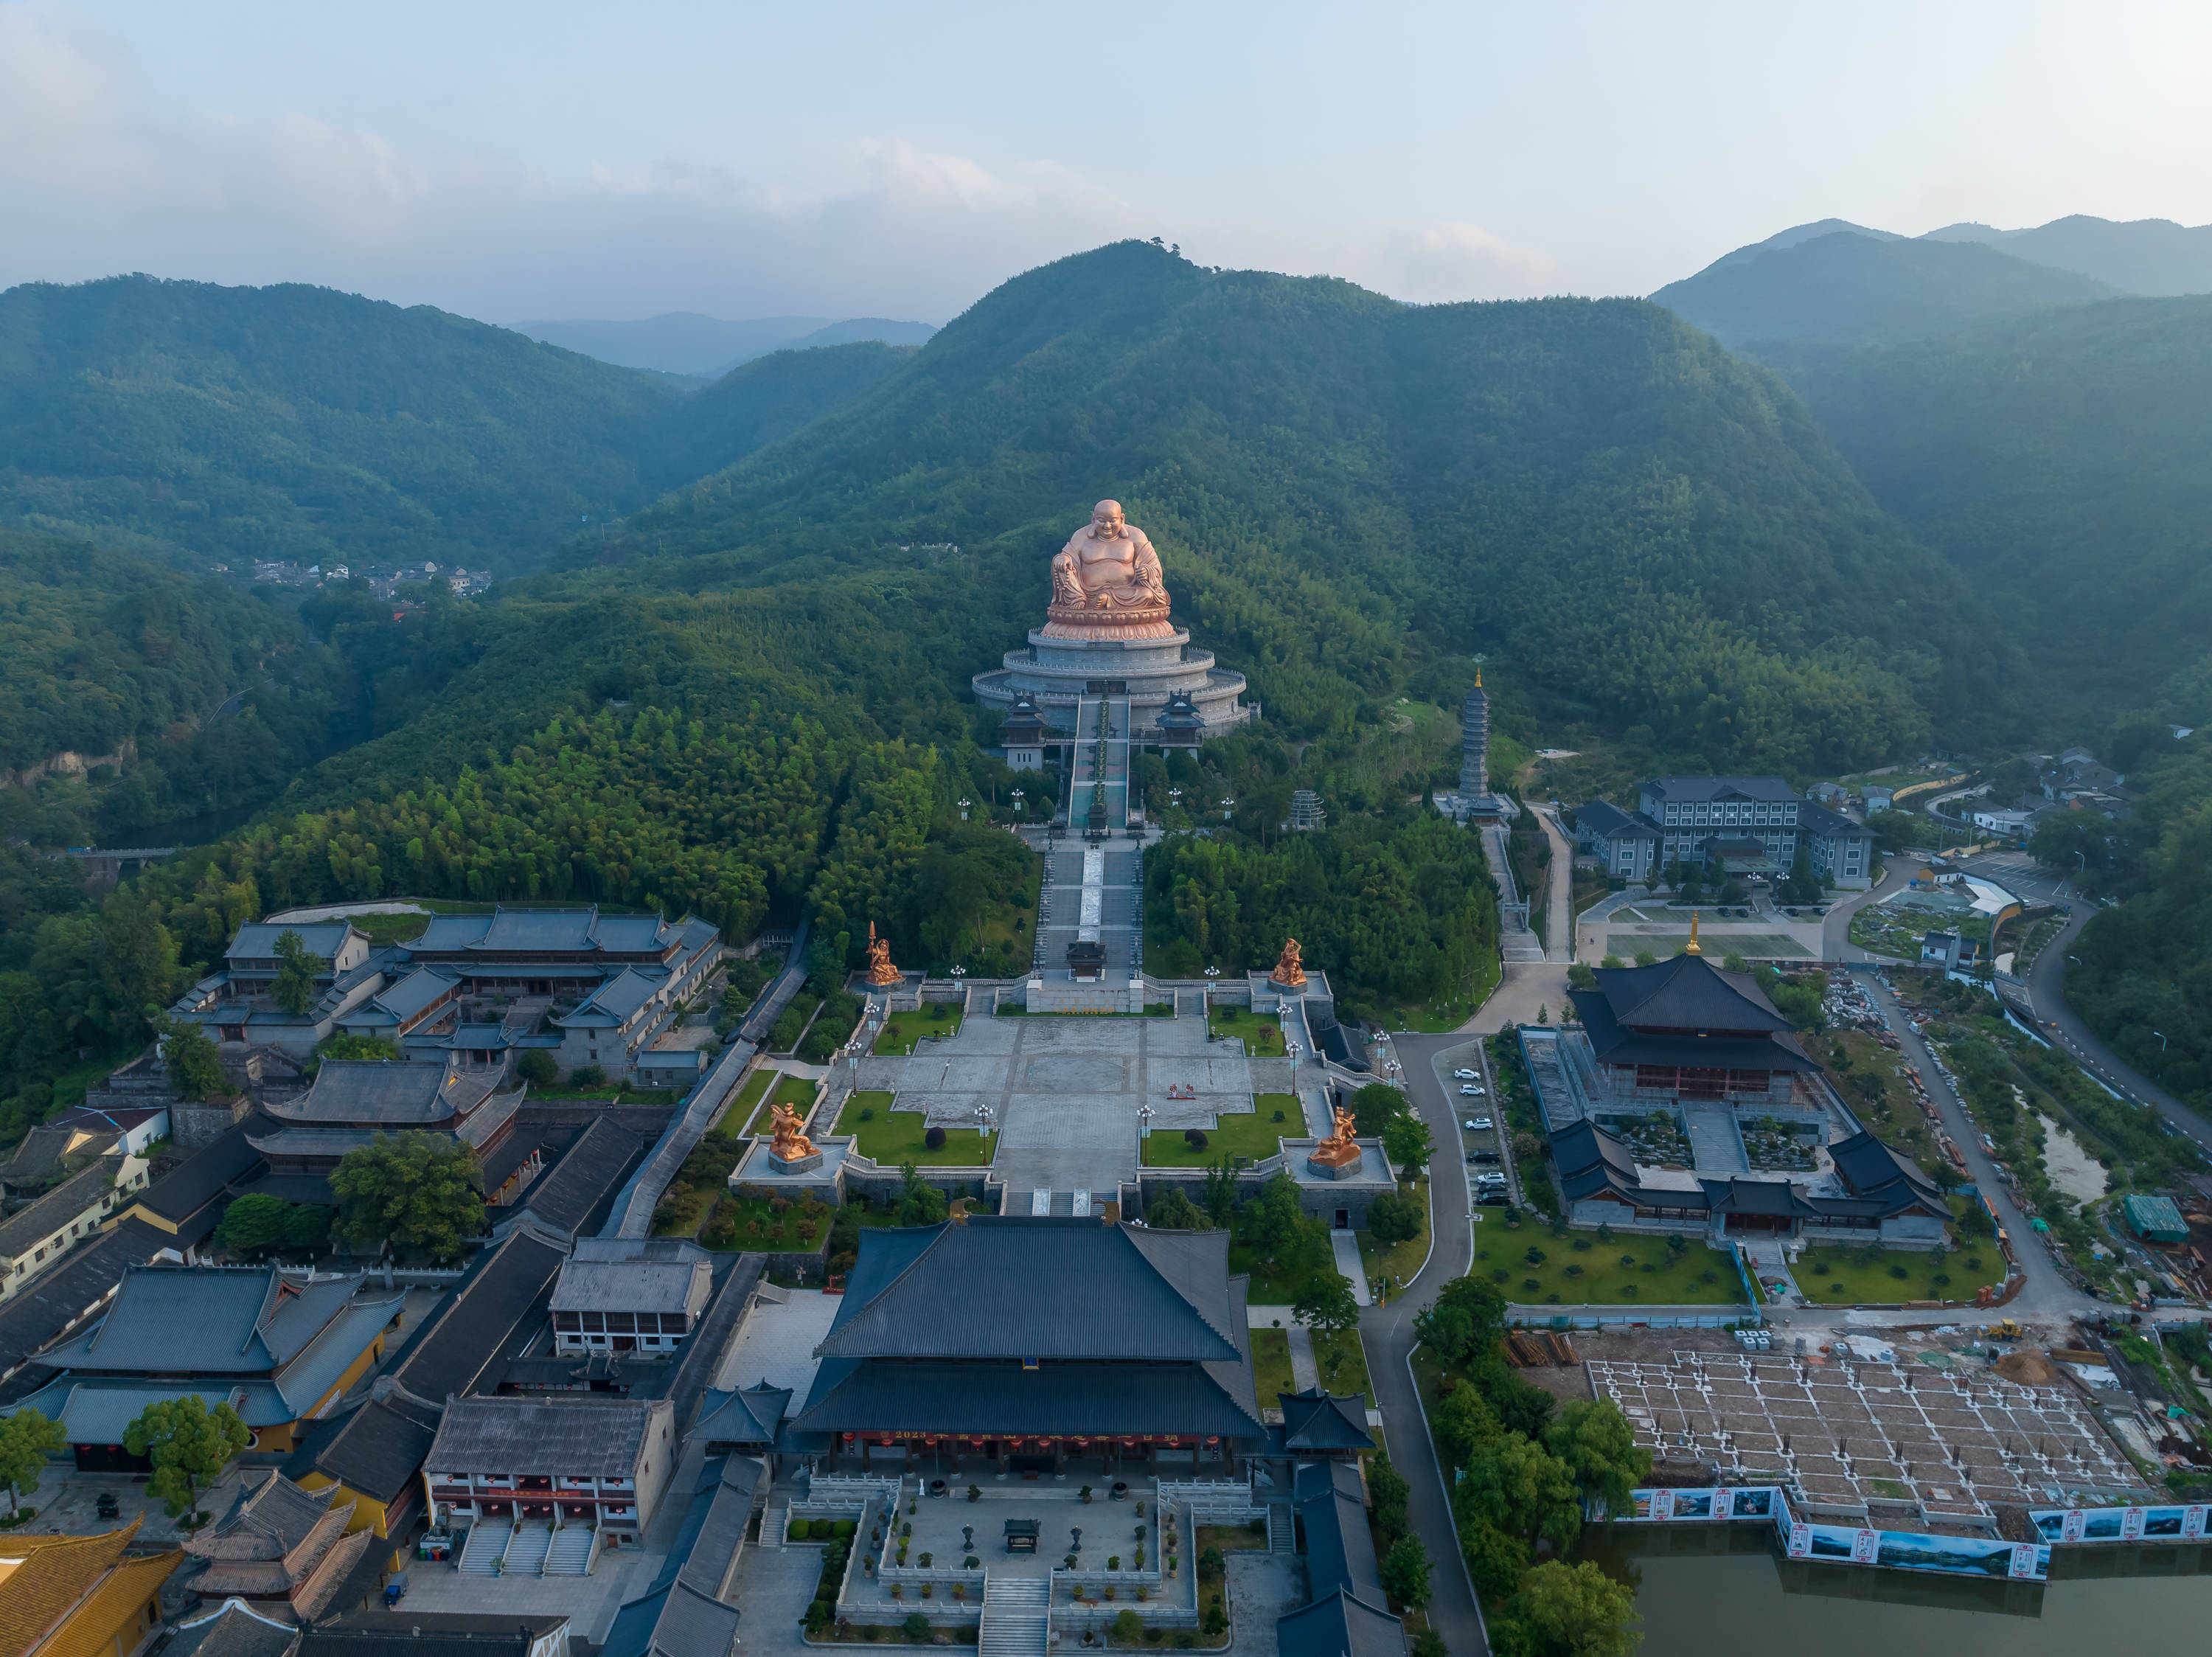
558 931
1315 1420
1044 1288
1687 993
636 1285
388 1093
416 990
268 1517
32 1225
601 1439
680 1615
235 1630
567 1194
214 1320
1608 821
257 940
1691 789
1339 1625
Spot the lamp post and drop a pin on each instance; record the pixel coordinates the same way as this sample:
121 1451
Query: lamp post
964 811
1144 1114
1293 1050
983 1119
1227 805
1017 797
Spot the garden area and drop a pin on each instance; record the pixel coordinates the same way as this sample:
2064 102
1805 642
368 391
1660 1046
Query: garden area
1240 1135
1531 1267
757 1112
1401 1257
902 1031
1874 1275
813 1027
1340 1358
895 1137
766 1223
1260 1032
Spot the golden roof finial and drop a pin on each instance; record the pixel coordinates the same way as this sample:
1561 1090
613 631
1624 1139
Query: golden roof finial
1693 949
1478 678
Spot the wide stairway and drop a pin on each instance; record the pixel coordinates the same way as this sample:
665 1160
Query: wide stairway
486 1546
571 1552
526 1554
1016 1616
1714 1140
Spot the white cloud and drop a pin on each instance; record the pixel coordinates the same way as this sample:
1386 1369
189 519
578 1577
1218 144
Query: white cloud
92 182
1453 260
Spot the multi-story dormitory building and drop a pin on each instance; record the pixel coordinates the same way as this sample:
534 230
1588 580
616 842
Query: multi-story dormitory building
1744 825
477 987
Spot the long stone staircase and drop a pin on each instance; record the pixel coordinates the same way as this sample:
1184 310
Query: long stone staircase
1016 1616
570 1554
486 1547
1715 1140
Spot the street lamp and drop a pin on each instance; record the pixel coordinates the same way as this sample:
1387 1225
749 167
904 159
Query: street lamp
959 972
1018 796
1293 1050
964 811
1212 972
982 1119
1227 805
1145 1120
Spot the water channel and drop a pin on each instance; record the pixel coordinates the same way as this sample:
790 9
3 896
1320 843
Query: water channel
1699 1589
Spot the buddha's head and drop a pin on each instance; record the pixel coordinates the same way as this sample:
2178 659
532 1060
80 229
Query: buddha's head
1106 520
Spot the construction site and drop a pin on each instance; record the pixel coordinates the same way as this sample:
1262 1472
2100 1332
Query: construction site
1939 1449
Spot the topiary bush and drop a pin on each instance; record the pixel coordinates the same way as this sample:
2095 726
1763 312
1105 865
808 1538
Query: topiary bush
1194 1137
799 1530
934 1139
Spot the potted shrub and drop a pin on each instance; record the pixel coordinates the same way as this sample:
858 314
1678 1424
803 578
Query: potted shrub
1113 1562
1085 1493
925 1561
975 1493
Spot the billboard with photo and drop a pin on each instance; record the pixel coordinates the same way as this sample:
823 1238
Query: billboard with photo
2072 1525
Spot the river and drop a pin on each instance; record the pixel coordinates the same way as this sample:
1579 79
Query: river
1698 1589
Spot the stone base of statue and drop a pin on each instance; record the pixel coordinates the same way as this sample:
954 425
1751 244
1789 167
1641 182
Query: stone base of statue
1329 1165
787 1165
1058 673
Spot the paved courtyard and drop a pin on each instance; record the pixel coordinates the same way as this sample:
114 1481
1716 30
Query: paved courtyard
776 1345
1065 1091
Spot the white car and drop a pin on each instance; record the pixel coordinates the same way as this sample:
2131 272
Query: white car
1479 1123
1464 1075
1472 1090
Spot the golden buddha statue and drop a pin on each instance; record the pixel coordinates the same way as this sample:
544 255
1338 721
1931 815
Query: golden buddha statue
1106 582
881 972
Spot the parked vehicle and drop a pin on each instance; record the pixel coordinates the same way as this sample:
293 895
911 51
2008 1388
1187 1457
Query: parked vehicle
1484 1156
1466 1076
1472 1090
106 1507
1479 1123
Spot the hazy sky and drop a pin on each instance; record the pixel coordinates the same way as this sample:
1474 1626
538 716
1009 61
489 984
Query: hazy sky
557 159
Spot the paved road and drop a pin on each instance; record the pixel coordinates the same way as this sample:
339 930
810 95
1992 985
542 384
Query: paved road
2046 1296
1836 943
2047 989
1559 921
1387 1333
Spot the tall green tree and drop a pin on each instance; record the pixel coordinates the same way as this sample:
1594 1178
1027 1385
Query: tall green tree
1521 1487
1597 1446
189 1445
296 971
195 1067
1326 1303
1406 1143
421 1192
27 1440
1406 1573
1577 1610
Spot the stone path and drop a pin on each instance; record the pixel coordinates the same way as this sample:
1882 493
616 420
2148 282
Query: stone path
1304 1372
1715 1145
1345 1245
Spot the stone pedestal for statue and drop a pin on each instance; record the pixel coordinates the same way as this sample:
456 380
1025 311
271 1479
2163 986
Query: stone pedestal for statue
1108 634
807 1162
1338 1156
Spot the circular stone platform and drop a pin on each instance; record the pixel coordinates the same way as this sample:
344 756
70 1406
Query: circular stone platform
1060 673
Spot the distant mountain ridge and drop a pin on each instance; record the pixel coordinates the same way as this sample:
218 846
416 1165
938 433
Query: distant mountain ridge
686 343
1831 282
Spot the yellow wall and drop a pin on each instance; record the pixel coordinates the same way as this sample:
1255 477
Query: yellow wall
369 1513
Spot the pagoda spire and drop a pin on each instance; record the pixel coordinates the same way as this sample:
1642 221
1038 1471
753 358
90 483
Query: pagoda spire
1692 948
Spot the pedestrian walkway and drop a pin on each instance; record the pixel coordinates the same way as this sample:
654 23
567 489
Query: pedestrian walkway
1715 1143
1305 1374
1346 1247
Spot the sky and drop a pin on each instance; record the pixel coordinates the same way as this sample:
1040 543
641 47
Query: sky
561 160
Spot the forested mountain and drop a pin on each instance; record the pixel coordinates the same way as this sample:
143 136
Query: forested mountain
1348 493
1856 287
2064 463
768 397
685 342
2155 257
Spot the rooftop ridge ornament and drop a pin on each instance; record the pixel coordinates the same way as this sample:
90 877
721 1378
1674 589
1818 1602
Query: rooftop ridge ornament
1692 947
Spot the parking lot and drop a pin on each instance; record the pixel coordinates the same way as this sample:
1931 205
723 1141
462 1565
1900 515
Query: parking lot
1488 1176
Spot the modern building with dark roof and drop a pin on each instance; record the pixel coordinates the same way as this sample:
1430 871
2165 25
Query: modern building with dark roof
277 1349
1017 1343
1867 1190
36 1237
1743 825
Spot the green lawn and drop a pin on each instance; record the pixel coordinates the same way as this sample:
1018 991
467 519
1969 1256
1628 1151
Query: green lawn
384 929
738 1117
1653 1278
895 1136
1252 1134
797 1092
1436 1017
1404 1259
1268 1289
902 1030
1261 1032
1342 1362
1834 1277
1270 1365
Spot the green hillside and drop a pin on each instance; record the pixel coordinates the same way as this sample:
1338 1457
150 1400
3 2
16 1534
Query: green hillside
2064 463
1351 494
760 401
1853 288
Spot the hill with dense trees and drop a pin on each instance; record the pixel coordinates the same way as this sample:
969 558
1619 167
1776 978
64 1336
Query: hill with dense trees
1348 493
1852 287
2062 462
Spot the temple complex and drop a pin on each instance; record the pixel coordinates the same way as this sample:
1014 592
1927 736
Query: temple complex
1109 672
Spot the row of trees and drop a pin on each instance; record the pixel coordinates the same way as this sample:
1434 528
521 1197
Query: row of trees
1394 915
1520 1475
188 1444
